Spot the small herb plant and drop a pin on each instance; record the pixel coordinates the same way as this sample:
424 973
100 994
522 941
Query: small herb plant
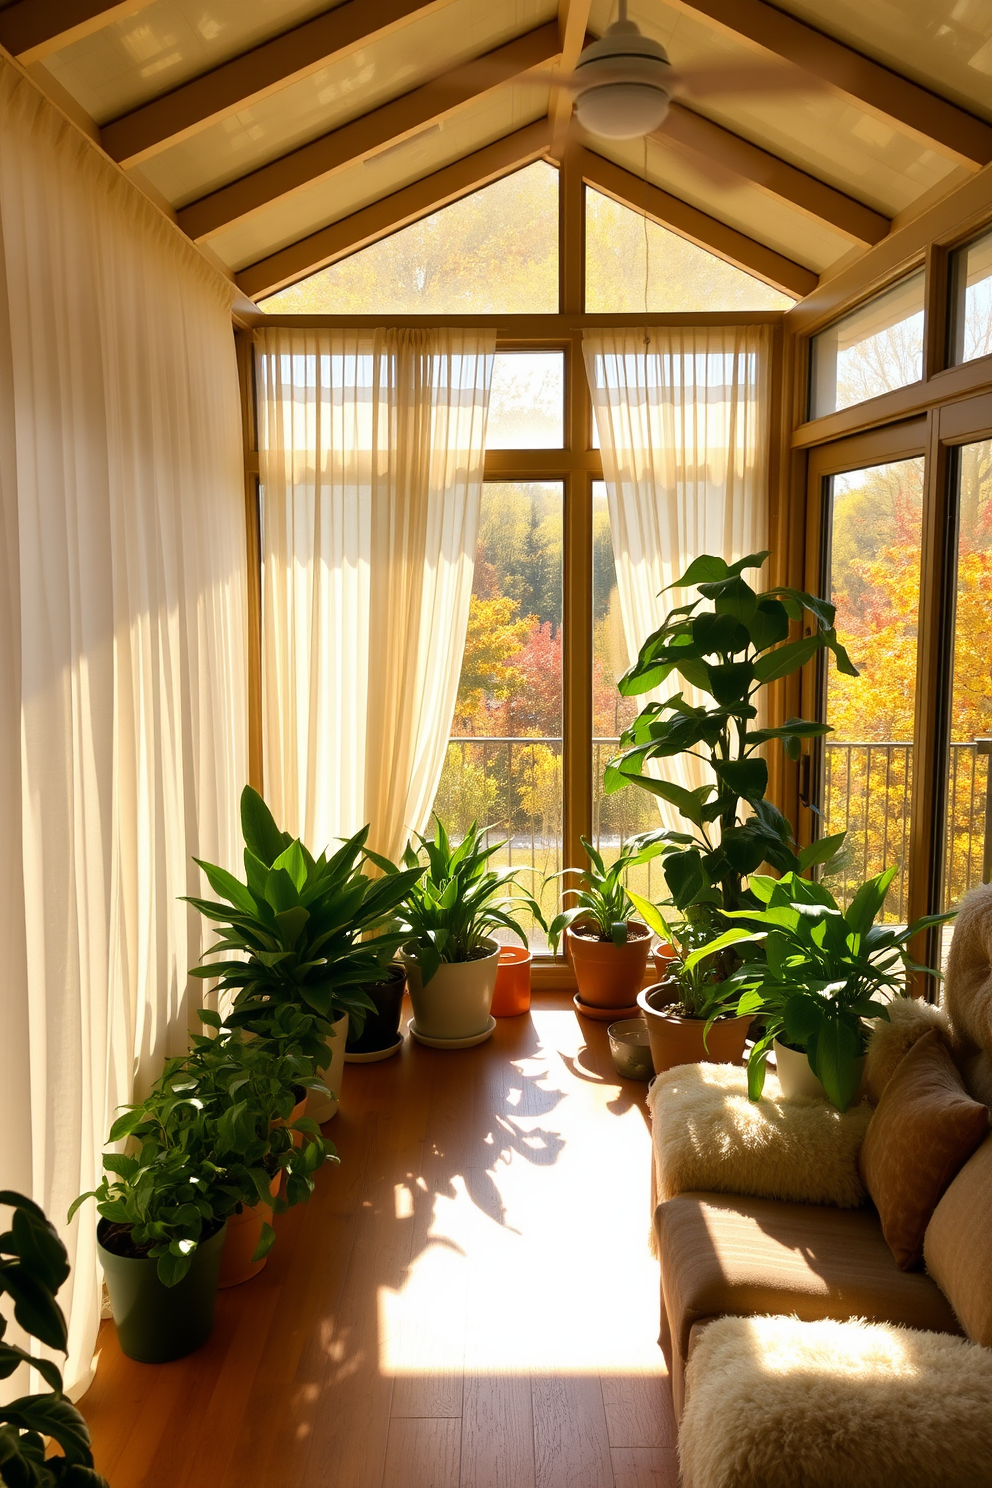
819 973
33 1266
302 931
452 903
729 650
602 903
209 1137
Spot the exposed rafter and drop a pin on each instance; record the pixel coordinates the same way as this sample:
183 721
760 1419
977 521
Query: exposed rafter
31 29
707 232
915 109
812 197
365 136
340 239
246 79
573 18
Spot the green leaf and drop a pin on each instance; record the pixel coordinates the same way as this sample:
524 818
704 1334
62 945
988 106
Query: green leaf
730 682
769 624
651 916
228 887
705 569
54 1416
737 600
868 901
821 851
745 778
785 660
834 1054
258 826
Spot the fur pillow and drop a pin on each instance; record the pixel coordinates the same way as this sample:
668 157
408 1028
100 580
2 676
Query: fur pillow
909 1019
709 1136
777 1403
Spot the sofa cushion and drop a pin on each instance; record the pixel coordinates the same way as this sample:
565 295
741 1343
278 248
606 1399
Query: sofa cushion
924 1130
958 1245
778 1403
722 1254
708 1136
909 1019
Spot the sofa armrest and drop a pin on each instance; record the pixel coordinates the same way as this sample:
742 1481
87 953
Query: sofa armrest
708 1136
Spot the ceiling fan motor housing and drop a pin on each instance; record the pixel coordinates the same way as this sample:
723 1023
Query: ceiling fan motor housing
623 84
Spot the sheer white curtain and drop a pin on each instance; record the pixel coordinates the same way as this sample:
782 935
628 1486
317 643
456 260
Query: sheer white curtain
682 418
123 664
371 457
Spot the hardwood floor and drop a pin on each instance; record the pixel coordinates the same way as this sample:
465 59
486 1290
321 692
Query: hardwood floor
468 1301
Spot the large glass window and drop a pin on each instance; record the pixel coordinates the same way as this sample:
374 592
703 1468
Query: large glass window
527 401
971 300
504 761
875 536
876 348
494 252
633 264
968 840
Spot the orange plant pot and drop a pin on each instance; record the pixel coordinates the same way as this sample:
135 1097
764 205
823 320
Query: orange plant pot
677 1040
244 1231
662 955
512 995
608 975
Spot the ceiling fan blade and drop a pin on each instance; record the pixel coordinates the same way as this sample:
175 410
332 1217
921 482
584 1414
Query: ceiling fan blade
701 82
492 75
701 164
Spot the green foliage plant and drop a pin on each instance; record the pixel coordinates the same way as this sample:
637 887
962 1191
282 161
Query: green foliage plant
33 1266
818 974
454 901
729 643
602 903
702 992
210 1137
298 938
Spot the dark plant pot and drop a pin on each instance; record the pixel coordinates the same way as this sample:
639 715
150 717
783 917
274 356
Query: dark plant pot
156 1323
382 1028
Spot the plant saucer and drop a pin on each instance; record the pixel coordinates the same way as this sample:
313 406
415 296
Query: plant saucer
374 1055
604 1015
457 1043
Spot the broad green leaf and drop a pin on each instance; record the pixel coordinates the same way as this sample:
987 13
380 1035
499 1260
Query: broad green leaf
258 826
705 569
785 660
228 887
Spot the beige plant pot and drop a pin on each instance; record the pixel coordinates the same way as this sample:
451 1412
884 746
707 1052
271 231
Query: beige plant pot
457 1000
797 1078
320 1107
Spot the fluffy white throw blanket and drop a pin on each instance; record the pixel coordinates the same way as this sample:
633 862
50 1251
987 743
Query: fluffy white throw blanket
709 1136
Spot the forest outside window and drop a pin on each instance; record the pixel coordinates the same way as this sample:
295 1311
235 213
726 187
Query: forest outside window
876 348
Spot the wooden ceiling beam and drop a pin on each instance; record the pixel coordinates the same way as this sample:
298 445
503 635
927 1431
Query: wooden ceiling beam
32 29
705 231
573 19
814 198
923 114
244 80
365 136
386 216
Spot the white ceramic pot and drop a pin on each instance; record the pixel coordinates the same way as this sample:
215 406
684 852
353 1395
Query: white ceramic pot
322 1107
795 1075
457 1000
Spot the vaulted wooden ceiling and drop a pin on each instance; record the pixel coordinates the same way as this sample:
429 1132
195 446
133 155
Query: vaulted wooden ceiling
284 134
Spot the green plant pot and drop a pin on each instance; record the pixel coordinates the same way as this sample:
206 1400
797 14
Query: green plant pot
156 1323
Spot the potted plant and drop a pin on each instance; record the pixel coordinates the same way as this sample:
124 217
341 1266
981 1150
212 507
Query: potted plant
303 934
254 1101
823 974
33 1266
450 907
607 947
690 1013
381 1035
729 644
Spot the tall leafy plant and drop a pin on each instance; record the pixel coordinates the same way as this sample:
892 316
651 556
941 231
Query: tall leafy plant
729 643
822 975
33 1266
301 935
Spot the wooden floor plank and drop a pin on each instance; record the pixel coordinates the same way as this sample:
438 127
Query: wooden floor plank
425 1452
426 1319
571 1442
645 1467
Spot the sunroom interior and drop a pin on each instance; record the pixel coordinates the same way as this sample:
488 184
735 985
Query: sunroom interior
439 480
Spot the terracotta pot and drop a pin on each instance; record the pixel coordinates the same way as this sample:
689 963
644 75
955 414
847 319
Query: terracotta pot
797 1078
457 1000
322 1107
608 975
680 1040
662 956
512 995
298 1110
244 1231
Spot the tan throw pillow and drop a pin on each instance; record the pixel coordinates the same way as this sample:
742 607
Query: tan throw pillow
958 1246
892 1038
924 1130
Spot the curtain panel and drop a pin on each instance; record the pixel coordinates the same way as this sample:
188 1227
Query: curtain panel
123 665
682 418
371 449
